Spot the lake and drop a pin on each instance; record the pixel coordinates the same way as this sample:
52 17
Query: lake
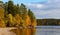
39 30
48 30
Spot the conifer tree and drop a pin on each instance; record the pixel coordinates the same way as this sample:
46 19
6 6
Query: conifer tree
23 11
11 8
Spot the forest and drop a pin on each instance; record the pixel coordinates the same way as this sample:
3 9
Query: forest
13 15
48 22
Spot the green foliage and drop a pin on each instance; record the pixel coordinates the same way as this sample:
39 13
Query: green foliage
48 22
23 11
18 9
15 14
10 6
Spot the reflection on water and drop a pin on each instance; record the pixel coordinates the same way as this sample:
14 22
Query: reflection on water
40 30
28 31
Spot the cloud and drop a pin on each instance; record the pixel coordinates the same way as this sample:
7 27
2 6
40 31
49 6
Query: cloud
35 5
48 14
49 9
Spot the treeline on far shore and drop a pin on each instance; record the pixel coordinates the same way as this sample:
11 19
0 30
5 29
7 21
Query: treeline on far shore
48 22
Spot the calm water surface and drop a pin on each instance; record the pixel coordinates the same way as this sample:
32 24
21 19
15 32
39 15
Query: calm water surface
39 30
48 30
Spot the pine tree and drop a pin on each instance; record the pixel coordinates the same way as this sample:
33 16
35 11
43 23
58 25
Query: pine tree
18 9
23 11
11 8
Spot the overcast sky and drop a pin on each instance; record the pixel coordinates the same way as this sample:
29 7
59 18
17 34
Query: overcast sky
42 8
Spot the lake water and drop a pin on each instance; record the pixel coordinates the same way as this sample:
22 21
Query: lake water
40 30
48 30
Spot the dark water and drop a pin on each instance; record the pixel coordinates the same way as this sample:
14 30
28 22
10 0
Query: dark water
39 30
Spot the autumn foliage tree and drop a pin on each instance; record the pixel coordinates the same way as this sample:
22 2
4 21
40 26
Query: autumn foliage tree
32 17
13 15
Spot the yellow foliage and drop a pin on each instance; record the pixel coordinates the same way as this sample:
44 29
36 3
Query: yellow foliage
28 21
17 17
13 20
2 23
10 17
2 13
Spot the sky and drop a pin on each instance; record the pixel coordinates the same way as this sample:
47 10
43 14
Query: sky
43 9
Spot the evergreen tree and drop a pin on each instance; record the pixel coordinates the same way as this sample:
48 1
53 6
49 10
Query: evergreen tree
23 11
11 8
18 9
5 7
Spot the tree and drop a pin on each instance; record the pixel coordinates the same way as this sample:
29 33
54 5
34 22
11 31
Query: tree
18 18
30 13
18 9
15 15
10 6
10 17
28 21
32 17
5 7
23 11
